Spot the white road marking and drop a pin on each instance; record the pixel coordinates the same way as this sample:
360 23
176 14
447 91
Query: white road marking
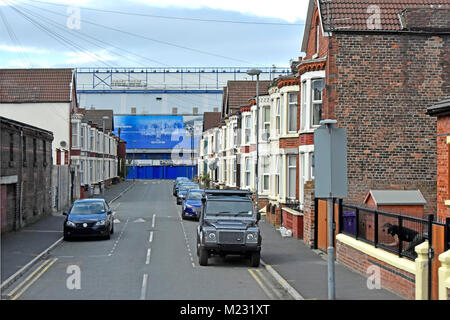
117 241
153 220
139 220
115 208
144 286
150 239
116 221
149 252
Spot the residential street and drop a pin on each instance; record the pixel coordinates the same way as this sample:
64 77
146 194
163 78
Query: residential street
151 255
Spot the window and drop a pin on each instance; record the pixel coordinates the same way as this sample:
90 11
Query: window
174 110
266 173
91 170
247 171
278 117
317 38
225 176
133 110
235 135
292 176
98 142
248 128
317 87
75 135
277 175
234 172
303 106
82 136
195 110
82 172
266 123
292 112
91 140
311 164
225 139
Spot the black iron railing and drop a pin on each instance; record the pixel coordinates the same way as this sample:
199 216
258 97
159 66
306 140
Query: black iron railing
392 232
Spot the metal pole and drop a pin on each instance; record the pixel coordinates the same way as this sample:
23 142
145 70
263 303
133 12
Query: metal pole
257 141
330 251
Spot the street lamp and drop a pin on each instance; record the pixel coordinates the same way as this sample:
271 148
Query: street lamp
256 72
134 164
104 147
190 129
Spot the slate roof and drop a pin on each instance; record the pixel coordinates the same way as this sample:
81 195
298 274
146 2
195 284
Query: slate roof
36 85
96 117
211 120
240 91
347 15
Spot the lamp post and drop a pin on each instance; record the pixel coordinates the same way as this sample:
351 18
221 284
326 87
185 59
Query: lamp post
190 129
134 164
104 147
256 72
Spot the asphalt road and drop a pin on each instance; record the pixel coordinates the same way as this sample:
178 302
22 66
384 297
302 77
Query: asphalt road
151 255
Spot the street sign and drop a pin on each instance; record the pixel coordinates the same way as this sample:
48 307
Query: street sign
330 161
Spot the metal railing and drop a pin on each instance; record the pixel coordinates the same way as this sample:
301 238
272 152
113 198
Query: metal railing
392 232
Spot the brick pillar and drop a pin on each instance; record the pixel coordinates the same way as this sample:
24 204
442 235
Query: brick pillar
277 221
308 211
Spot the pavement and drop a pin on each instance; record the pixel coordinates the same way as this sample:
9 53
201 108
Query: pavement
125 270
20 247
306 270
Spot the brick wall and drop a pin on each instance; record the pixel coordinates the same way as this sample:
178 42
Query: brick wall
383 86
34 170
308 211
391 278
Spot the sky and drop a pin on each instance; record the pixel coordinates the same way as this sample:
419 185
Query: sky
150 33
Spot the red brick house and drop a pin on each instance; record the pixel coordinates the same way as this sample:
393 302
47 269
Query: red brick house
375 67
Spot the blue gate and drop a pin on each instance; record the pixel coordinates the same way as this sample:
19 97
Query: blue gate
161 172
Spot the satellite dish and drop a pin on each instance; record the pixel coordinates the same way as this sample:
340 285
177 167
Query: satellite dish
63 144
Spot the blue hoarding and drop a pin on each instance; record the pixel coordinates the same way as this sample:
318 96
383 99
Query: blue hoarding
156 132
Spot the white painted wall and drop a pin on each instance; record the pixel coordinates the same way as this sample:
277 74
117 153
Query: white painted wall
54 117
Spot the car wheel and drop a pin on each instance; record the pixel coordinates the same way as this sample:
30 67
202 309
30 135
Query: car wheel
112 228
203 257
66 238
254 259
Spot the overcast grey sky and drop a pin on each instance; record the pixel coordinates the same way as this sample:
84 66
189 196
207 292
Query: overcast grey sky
150 33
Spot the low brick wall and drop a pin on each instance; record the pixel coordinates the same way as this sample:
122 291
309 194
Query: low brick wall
396 280
293 222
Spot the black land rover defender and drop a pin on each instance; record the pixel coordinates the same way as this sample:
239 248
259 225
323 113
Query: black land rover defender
228 225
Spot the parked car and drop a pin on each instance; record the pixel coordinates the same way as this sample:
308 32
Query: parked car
179 184
177 181
89 217
181 194
228 225
192 205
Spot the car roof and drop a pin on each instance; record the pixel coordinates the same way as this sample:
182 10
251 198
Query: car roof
89 200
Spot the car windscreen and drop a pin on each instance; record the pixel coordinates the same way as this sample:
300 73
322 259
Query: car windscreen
229 208
194 196
88 208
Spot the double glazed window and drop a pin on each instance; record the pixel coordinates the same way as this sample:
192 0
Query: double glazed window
278 117
292 176
292 112
317 87
266 173
75 127
248 128
247 171
266 123
311 103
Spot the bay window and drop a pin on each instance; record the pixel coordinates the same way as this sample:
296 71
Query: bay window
247 171
292 176
266 123
75 129
266 173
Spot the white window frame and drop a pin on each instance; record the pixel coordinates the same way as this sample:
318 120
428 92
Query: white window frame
265 168
290 105
313 102
306 100
288 176
75 134
265 110
248 175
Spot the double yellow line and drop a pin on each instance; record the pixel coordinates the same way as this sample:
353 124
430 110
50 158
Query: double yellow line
32 278
261 279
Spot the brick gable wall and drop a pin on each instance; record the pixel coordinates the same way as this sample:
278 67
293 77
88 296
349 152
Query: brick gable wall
383 86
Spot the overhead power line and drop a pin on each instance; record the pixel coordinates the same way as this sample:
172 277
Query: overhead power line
150 39
176 18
